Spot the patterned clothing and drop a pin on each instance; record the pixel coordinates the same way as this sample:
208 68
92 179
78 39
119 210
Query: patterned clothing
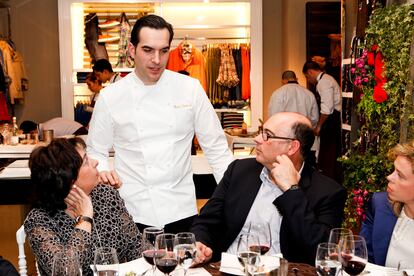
125 36
227 74
113 227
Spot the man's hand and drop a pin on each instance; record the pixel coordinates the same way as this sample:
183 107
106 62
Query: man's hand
284 173
204 253
110 178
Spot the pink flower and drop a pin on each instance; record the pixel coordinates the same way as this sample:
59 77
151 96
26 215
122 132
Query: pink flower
353 70
365 79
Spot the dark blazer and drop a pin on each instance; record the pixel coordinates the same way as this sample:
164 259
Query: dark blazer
308 213
378 227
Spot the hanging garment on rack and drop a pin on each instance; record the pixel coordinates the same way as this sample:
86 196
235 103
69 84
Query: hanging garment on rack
215 91
227 74
235 92
13 67
194 63
245 57
96 50
124 36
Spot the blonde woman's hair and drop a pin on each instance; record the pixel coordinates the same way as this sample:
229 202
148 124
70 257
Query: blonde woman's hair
406 150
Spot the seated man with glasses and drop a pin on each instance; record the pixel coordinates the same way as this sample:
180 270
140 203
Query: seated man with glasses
300 204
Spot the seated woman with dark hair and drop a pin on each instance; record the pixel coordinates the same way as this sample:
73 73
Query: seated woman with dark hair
389 225
72 211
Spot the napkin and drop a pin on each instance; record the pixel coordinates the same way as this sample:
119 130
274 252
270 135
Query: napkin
230 264
409 272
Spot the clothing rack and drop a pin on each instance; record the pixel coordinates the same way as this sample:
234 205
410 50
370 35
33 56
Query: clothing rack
8 35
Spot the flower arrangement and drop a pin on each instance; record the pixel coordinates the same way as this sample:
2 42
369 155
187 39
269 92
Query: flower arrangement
382 75
362 71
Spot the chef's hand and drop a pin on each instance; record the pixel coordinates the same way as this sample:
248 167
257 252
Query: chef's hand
111 178
284 173
204 253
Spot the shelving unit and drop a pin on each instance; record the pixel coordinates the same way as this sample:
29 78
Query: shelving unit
203 23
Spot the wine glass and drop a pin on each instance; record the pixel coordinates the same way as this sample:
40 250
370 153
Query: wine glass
185 249
326 261
353 254
105 262
66 263
164 257
262 231
248 253
337 233
148 244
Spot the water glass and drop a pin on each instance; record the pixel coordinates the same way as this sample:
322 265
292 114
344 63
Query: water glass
105 262
336 234
66 263
185 249
248 253
326 261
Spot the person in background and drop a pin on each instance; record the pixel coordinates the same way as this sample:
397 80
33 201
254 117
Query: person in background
94 85
150 118
292 97
328 127
60 126
103 71
72 211
278 187
389 225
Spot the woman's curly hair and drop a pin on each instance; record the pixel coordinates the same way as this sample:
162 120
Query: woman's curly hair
54 168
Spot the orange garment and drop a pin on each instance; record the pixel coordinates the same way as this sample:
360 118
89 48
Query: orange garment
196 67
245 58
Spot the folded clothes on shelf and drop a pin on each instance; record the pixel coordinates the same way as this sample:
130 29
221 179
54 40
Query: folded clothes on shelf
108 38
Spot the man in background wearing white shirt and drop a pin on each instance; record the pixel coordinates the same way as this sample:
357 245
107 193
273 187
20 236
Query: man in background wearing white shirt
150 117
292 97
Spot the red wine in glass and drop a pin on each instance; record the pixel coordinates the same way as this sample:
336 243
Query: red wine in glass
166 265
353 267
149 256
262 248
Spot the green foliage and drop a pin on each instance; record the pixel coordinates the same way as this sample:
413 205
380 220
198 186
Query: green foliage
366 165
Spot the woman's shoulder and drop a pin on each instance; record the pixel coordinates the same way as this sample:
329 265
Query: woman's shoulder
105 191
35 217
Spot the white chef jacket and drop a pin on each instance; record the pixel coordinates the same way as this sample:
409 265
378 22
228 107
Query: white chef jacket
293 97
330 93
151 130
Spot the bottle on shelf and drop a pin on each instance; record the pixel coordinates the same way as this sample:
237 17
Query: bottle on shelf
14 139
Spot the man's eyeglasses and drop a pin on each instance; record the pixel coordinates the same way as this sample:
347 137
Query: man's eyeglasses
266 136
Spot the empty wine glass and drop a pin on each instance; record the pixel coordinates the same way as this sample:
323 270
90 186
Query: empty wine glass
248 253
185 249
105 262
148 244
164 257
337 233
66 263
262 231
353 254
326 261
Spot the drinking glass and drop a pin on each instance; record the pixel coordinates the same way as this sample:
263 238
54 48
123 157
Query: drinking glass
164 257
105 262
185 249
326 261
248 253
353 254
337 233
66 263
262 231
148 244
